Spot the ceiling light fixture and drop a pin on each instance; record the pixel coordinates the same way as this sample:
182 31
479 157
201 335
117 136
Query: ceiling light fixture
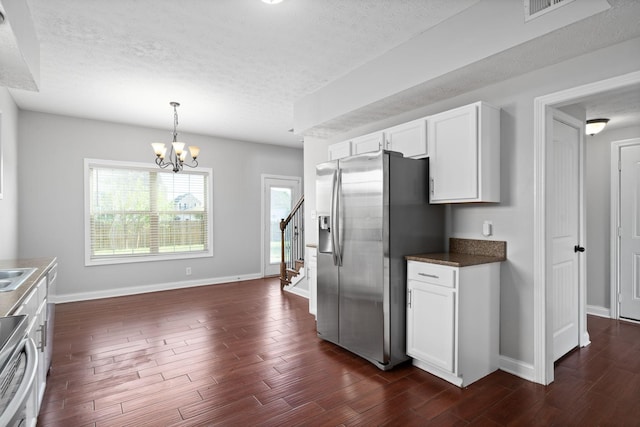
272 1
595 126
178 154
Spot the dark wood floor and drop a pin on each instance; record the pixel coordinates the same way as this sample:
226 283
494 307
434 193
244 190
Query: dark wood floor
246 354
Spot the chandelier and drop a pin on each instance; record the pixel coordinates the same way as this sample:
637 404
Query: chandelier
178 154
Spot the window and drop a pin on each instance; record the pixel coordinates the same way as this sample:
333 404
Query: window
136 212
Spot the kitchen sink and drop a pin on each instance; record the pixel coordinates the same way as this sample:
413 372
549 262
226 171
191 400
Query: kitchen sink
12 278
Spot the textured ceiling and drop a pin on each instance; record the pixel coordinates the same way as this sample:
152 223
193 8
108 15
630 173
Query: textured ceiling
236 66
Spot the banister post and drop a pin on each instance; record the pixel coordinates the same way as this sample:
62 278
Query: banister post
283 264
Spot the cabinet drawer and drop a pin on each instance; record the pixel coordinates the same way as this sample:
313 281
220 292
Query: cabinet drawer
431 273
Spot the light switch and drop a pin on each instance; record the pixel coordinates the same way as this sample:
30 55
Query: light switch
487 228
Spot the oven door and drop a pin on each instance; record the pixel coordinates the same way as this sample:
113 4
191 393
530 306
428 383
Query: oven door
18 380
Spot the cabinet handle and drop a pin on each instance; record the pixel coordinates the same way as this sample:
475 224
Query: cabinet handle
433 184
433 276
40 345
44 334
409 299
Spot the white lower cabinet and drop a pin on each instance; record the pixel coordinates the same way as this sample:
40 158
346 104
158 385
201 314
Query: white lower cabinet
453 328
35 307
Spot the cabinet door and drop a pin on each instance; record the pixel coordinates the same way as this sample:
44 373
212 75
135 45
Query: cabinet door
430 324
409 138
39 338
339 150
453 166
368 143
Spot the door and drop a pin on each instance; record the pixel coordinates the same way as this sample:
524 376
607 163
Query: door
368 143
279 195
630 232
327 286
453 151
409 139
564 231
362 273
430 324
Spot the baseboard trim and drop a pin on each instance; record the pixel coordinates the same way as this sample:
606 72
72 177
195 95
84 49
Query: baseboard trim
599 311
518 368
120 292
297 291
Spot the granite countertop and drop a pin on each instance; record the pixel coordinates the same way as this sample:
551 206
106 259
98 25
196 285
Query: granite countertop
9 301
465 253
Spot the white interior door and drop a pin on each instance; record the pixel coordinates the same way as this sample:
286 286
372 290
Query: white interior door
630 232
279 195
564 233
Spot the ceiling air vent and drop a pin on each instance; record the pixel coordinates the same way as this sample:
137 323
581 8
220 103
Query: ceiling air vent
535 8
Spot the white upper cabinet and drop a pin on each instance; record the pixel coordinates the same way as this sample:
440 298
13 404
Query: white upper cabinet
464 153
368 143
339 150
409 138
463 146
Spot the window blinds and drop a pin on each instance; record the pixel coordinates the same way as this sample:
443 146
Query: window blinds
139 211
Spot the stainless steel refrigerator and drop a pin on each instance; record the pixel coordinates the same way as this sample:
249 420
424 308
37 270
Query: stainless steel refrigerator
372 210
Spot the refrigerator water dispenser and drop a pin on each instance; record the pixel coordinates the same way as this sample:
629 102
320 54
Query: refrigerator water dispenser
324 234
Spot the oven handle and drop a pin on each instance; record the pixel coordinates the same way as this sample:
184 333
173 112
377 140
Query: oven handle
24 389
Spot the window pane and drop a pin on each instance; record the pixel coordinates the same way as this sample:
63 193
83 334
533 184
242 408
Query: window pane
280 208
136 212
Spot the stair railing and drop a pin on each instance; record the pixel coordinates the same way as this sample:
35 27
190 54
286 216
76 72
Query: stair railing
291 242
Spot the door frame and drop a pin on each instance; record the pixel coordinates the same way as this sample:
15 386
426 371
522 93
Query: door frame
542 325
263 208
616 158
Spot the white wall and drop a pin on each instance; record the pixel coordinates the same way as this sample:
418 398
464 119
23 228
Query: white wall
513 217
52 149
598 216
9 178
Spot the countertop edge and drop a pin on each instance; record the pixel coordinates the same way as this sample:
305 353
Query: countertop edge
453 259
10 301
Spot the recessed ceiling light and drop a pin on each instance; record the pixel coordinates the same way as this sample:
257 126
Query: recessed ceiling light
272 1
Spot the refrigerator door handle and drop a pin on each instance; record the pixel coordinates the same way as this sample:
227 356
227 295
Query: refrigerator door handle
337 249
333 216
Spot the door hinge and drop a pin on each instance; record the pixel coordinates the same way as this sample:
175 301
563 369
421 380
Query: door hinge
619 231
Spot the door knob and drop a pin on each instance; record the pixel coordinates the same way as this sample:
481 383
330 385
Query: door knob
578 248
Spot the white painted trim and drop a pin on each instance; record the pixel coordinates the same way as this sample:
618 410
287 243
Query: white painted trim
438 372
134 290
297 291
263 178
616 158
518 368
595 310
543 358
125 259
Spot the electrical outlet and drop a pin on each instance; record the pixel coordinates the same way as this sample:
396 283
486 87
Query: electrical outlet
188 271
